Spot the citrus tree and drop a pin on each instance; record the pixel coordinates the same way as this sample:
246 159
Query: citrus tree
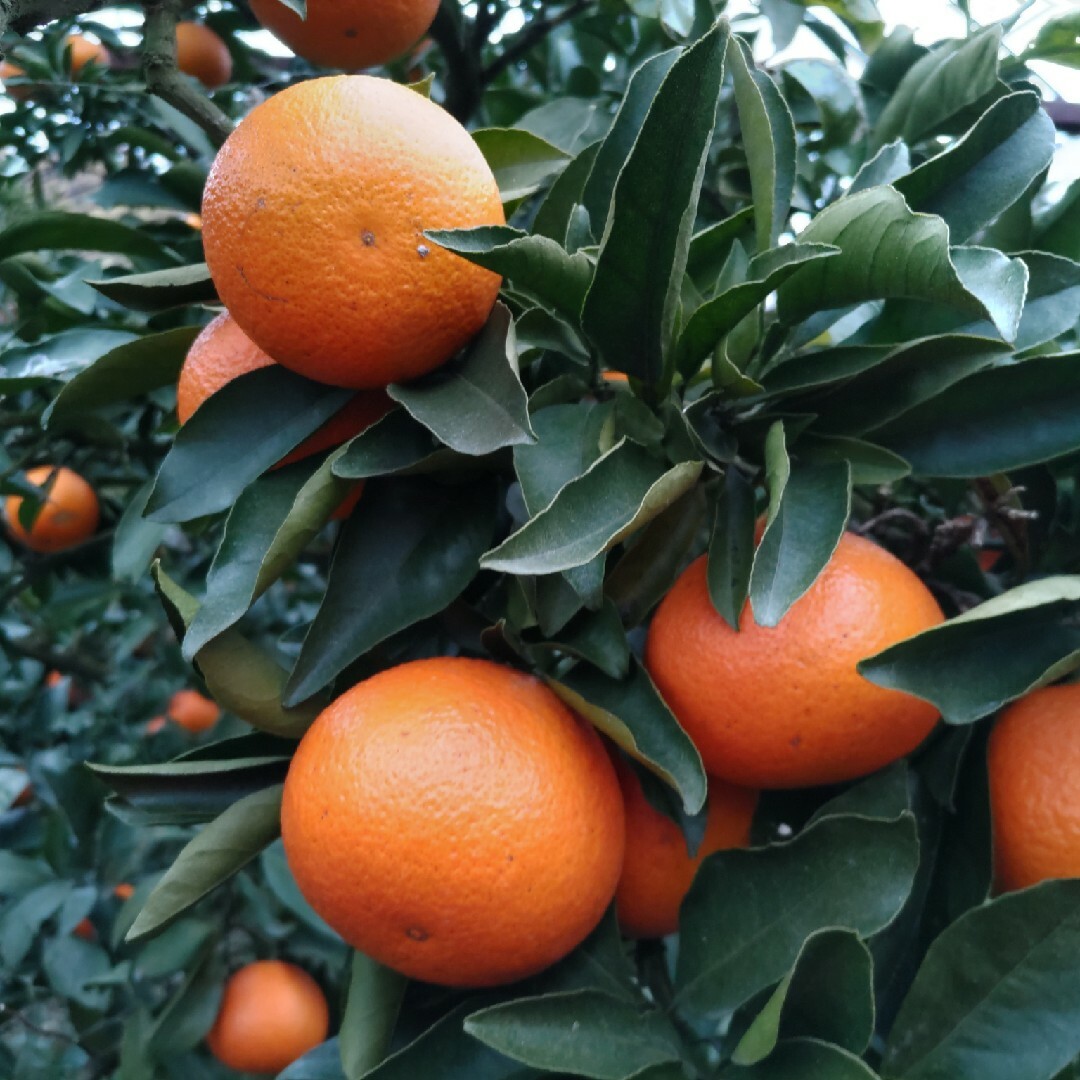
544 559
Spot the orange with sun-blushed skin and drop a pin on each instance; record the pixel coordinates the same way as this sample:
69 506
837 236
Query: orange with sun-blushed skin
452 819
202 54
658 868
85 51
68 516
785 707
314 217
271 1014
192 711
223 351
1033 760
348 34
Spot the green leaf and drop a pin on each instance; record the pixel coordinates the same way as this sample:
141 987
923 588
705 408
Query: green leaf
890 163
749 912
632 714
235 436
1006 647
521 161
887 251
612 153
985 172
136 539
993 421
644 249
407 551
21 921
222 848
534 264
191 1011
128 371
322 1063
553 216
475 405
808 513
395 444
942 85
54 230
1058 42
718 317
804 1059
828 994
768 133
371 1012
271 522
56 357
72 966
620 492
731 547
584 1032
595 636
997 995
160 290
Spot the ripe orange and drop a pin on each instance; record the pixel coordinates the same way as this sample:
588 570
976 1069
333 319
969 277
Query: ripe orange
85 929
658 869
68 516
349 34
85 51
201 54
784 707
124 891
454 820
1033 760
313 226
271 1014
154 725
192 711
13 71
223 351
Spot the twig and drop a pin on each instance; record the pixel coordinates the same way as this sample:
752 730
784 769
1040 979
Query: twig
163 78
22 15
462 76
531 37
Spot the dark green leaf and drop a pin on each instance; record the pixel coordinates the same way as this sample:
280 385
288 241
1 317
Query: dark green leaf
731 547
1058 41
749 912
406 552
322 1063
521 161
56 357
804 1059
136 539
54 230
553 217
191 1011
160 290
992 654
371 1012
395 444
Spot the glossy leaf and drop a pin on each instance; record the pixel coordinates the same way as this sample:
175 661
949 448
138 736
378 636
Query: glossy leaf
395 444
521 160
731 547
804 1059
371 1012
54 230
160 290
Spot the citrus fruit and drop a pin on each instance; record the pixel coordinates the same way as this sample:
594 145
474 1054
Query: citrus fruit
192 711
271 1013
452 819
155 724
68 516
313 225
658 868
85 930
124 891
349 34
201 54
223 351
13 71
84 51
785 707
1033 760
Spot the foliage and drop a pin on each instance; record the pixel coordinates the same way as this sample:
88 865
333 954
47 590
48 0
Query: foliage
844 296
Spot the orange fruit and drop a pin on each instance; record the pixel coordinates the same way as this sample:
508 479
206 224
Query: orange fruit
84 51
13 71
658 868
192 711
614 376
24 797
223 351
193 221
53 678
154 725
68 516
784 707
124 891
452 819
1033 760
85 929
201 54
313 225
349 34
271 1014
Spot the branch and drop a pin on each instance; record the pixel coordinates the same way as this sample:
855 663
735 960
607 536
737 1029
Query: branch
528 39
22 15
163 78
462 76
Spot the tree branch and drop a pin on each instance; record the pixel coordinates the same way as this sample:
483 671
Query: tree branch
462 75
531 37
163 78
22 15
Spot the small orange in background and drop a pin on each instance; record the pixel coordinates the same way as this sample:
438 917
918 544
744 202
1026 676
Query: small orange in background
192 711
193 221
85 930
155 725
348 34
615 376
24 797
784 706
13 71
452 819
271 1014
314 217
124 891
1033 760
202 54
69 515
222 352
658 869
84 51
